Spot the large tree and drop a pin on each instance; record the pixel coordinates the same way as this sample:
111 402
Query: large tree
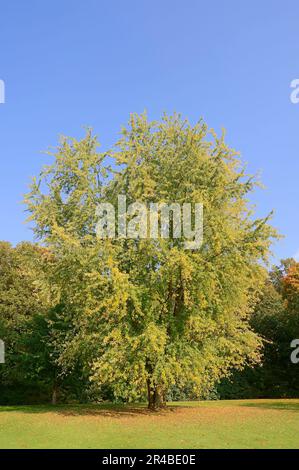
147 314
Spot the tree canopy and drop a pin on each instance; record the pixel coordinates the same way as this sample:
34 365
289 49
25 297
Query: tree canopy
147 314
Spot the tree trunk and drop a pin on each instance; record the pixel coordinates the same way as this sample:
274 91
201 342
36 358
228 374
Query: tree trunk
155 396
150 395
54 394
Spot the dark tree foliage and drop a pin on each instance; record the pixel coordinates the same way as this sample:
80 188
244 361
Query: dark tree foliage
31 328
276 319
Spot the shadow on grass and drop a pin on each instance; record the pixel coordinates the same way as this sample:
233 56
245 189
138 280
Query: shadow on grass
104 410
277 405
118 411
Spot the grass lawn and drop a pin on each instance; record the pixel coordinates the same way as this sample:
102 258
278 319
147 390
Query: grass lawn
220 424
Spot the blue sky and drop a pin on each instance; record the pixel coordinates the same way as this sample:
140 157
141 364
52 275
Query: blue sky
69 64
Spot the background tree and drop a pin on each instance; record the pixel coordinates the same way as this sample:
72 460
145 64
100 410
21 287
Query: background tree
276 320
32 328
149 314
22 296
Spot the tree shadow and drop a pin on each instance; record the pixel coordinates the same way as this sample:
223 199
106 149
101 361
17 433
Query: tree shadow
118 410
282 406
100 410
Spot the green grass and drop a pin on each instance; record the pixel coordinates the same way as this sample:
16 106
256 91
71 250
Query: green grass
220 424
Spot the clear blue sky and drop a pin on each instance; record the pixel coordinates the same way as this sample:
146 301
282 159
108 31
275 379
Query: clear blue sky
69 63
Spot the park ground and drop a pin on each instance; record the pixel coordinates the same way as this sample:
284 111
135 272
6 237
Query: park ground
217 424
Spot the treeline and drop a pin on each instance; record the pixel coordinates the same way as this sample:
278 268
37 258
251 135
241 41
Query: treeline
34 329
276 320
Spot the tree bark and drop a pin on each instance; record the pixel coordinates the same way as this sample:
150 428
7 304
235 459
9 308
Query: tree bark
54 394
156 397
149 395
